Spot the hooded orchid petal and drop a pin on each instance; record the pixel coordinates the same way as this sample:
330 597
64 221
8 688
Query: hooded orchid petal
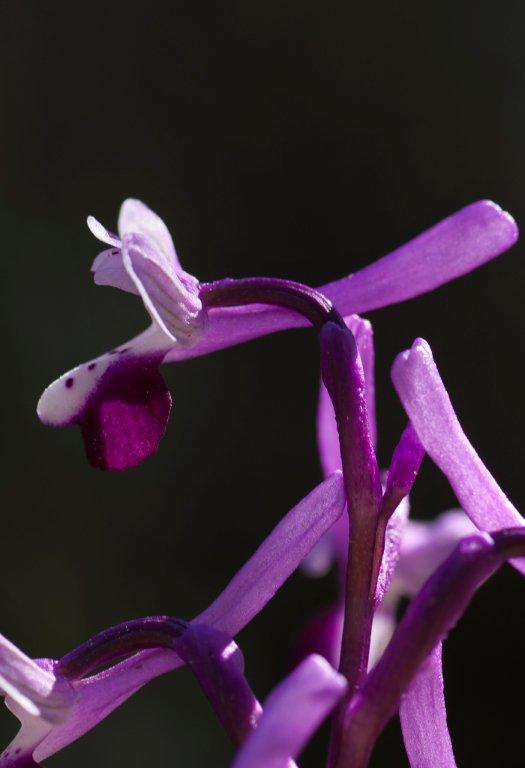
426 401
423 717
177 311
292 713
244 597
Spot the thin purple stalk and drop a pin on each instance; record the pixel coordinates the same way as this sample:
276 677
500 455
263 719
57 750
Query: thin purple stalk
212 656
315 307
343 377
431 615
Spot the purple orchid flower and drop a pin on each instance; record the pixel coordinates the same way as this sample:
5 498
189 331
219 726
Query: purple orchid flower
120 399
47 688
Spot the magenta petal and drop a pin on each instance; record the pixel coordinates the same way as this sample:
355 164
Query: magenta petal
426 401
292 713
245 596
423 717
394 533
454 247
126 416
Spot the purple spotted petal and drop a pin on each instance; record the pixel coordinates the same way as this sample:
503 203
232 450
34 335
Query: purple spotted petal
423 718
426 401
244 597
119 400
454 247
292 713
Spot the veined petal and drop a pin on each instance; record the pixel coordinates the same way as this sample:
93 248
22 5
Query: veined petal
137 218
426 401
292 713
247 594
119 400
174 308
457 245
423 717
395 531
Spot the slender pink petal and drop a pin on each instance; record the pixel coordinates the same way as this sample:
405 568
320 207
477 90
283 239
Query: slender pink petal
423 717
426 401
394 534
292 713
244 597
454 247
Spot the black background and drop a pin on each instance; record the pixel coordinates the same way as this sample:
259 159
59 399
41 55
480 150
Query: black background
287 138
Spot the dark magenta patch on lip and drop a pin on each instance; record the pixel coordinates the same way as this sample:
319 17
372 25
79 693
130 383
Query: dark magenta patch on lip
126 416
91 366
70 382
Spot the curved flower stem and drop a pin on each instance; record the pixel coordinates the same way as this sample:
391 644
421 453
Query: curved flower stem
212 656
343 377
315 307
431 615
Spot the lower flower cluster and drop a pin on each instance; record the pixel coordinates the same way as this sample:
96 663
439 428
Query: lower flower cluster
358 664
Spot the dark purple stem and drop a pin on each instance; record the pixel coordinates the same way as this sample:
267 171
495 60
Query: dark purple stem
343 377
431 615
315 307
212 656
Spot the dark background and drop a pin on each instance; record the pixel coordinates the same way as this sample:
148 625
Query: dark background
295 139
